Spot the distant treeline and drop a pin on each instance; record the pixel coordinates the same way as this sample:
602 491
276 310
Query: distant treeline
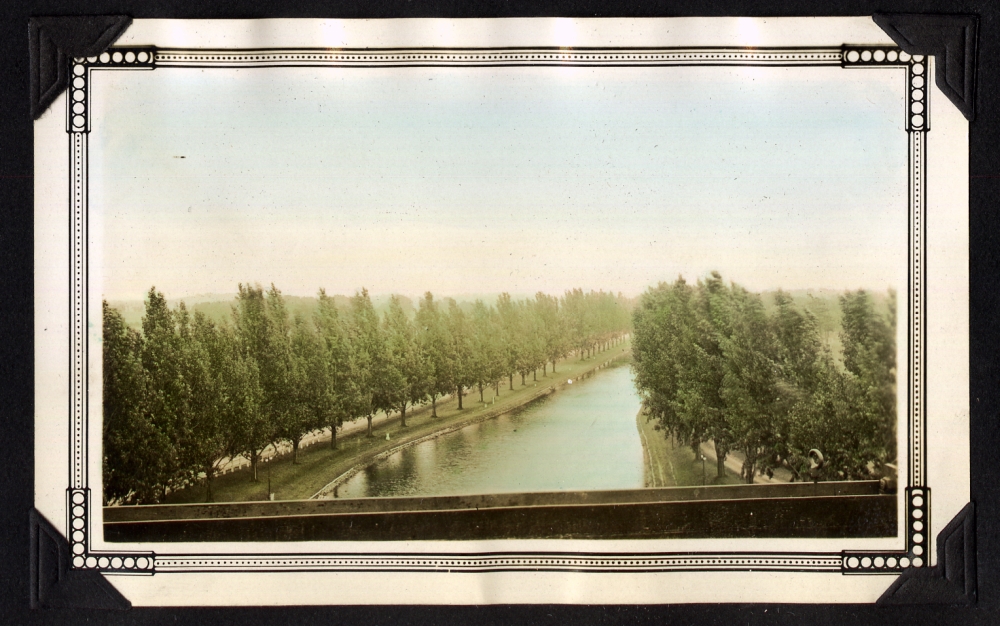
186 392
712 363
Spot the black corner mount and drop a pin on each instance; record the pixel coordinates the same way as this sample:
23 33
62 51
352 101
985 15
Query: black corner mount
951 40
53 41
953 579
54 584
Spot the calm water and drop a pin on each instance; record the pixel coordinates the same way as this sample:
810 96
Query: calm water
582 437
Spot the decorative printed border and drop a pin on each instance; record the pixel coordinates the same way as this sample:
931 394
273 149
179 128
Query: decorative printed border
498 57
78 523
504 562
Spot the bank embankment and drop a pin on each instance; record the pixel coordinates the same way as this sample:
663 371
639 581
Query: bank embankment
320 468
668 463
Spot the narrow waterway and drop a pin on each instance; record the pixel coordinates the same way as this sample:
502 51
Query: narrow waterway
583 437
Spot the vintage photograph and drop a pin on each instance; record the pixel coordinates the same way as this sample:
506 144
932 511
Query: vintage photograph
559 310
346 283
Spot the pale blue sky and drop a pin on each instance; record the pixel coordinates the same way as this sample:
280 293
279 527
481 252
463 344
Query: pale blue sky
496 179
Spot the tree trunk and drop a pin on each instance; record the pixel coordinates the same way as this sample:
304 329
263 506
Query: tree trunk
720 460
498 389
481 393
460 397
434 405
209 475
254 457
748 470
511 381
522 379
553 366
402 416
333 436
545 369
369 425
534 374
295 450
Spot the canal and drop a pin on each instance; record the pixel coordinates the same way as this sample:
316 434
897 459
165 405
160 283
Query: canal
583 437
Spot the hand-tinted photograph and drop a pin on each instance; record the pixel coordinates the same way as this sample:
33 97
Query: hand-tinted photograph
499 302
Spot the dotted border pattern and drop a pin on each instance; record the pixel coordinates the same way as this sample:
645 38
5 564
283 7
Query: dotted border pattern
917 419
78 495
917 553
78 124
497 57
78 127
77 506
77 117
917 123
503 561
917 102
78 270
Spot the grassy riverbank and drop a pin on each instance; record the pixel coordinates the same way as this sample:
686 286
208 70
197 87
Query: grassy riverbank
667 464
318 465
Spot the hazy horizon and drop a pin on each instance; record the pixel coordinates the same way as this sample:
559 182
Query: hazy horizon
487 298
478 181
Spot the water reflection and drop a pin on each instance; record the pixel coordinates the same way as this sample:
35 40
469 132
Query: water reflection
583 437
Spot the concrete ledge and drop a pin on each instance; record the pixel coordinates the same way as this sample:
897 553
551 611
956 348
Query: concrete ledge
441 503
843 509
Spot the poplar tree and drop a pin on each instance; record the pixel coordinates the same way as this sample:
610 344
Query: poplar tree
435 347
169 392
373 377
307 385
135 449
510 332
338 390
461 345
208 442
187 394
405 357
487 351
254 429
552 325
869 347
712 364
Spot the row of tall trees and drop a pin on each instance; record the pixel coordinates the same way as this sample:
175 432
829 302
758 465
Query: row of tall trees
713 363
185 393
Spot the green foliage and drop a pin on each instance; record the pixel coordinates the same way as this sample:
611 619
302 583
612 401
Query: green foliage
375 377
487 363
255 428
409 380
135 448
336 386
435 344
461 345
714 362
184 395
204 353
